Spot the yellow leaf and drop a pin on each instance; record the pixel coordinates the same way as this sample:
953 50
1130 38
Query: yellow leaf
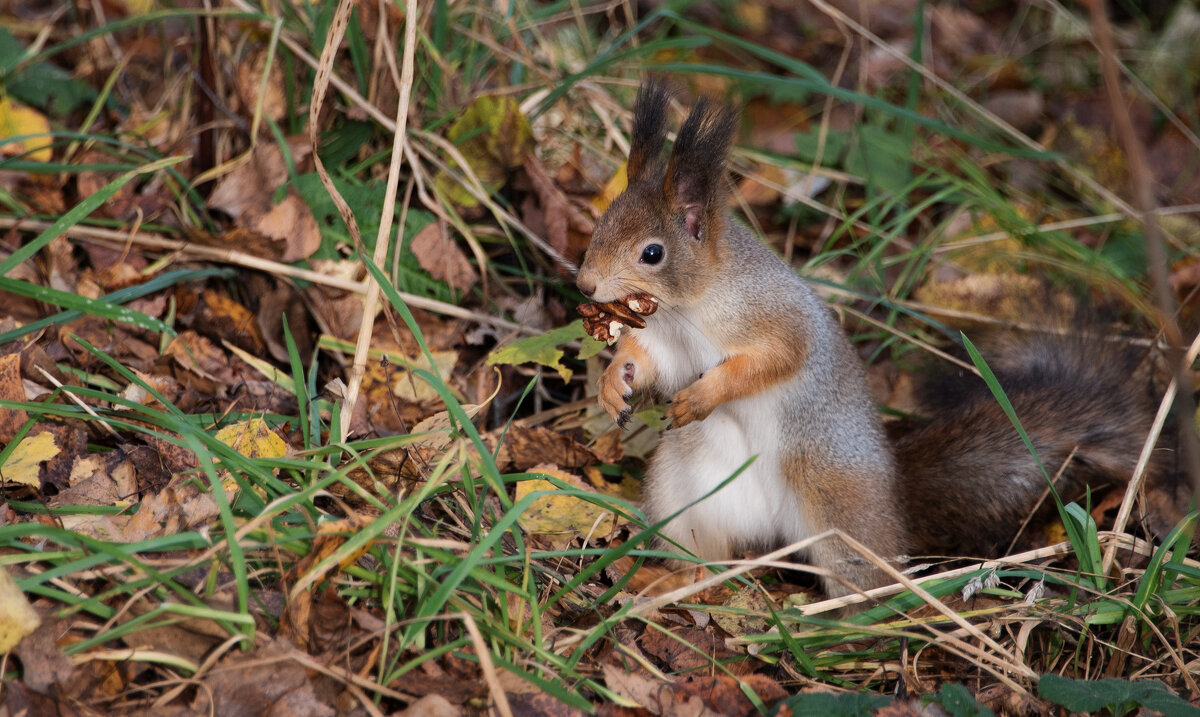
138 7
414 388
23 463
494 137
16 120
17 618
253 439
561 517
747 614
612 190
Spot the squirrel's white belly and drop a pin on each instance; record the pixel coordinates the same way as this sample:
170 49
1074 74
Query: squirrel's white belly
754 508
678 348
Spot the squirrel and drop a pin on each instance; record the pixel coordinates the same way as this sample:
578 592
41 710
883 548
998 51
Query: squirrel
762 378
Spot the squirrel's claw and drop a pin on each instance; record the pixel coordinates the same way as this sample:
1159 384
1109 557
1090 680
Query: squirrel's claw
689 405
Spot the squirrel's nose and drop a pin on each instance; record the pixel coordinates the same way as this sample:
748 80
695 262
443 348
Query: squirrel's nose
586 286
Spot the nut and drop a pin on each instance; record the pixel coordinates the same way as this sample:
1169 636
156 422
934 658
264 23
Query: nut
604 320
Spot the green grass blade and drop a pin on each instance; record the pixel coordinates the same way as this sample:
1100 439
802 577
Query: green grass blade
78 212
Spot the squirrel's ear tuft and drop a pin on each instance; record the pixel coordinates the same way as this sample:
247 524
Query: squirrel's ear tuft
649 131
695 180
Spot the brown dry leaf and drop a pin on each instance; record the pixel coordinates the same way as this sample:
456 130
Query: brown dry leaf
200 356
261 682
659 698
72 440
246 194
91 483
338 312
45 665
11 389
431 706
753 603
910 708
330 537
20 699
559 215
217 314
657 580
291 222
997 296
249 187
168 512
408 386
279 300
607 446
64 270
760 190
249 85
192 639
442 258
164 384
685 649
116 340
724 694
562 517
524 448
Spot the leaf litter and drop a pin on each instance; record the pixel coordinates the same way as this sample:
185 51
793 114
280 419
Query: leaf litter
198 539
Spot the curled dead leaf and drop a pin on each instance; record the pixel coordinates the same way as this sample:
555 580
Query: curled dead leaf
442 257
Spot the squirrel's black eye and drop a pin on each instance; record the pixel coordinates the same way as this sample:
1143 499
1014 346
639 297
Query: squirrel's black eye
652 254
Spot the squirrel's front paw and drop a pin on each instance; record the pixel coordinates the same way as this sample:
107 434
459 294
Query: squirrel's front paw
690 404
615 391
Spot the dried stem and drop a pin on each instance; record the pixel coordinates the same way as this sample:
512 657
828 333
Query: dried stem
1142 181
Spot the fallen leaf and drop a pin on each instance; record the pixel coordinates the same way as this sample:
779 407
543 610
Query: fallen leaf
252 91
253 438
200 356
25 461
562 517
559 214
17 120
247 194
291 222
494 137
524 448
995 296
616 184
11 389
746 601
442 258
337 311
263 681
17 617
657 697
218 314
542 349
431 706
42 661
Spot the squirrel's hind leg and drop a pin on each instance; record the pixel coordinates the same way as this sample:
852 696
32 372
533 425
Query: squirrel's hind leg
854 502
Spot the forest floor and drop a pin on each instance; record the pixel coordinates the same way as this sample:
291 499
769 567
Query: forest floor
298 417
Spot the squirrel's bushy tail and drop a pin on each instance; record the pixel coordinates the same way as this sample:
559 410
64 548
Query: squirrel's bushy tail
967 480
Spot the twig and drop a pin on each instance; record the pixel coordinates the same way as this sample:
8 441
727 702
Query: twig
1142 179
399 140
237 258
1139 471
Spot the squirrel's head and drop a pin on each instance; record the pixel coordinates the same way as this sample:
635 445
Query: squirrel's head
662 234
